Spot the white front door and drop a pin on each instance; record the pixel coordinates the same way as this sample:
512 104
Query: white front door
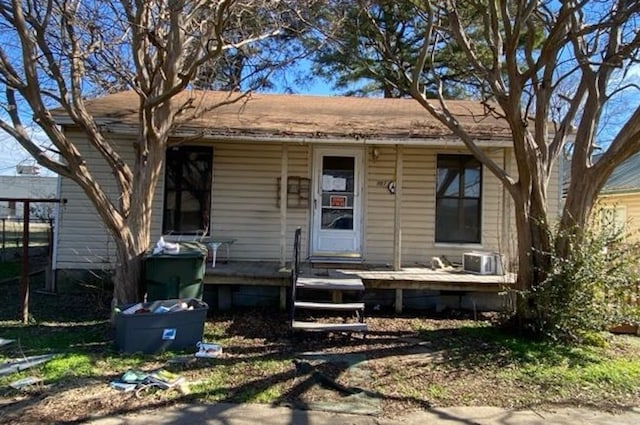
337 217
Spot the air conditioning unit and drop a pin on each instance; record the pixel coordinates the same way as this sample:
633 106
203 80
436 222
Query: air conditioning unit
482 263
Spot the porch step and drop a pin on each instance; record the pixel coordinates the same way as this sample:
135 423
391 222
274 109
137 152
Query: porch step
307 299
328 327
329 306
331 284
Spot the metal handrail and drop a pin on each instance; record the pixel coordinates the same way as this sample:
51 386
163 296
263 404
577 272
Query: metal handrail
295 270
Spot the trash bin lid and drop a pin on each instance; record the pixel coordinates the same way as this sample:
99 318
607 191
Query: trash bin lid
186 250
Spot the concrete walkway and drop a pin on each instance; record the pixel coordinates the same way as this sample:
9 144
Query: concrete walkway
250 414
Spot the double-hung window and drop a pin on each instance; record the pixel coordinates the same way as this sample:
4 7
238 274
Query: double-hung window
187 190
458 199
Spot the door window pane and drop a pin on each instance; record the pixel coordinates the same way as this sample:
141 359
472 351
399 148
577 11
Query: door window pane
337 195
337 219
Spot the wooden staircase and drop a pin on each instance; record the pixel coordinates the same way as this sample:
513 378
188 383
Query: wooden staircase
317 288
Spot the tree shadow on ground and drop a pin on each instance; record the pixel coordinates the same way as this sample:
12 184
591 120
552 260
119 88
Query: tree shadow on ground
258 335
78 304
273 342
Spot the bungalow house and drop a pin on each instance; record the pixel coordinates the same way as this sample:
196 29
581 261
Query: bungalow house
619 198
373 184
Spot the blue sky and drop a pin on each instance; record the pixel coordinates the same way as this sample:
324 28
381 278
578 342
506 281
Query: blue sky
12 154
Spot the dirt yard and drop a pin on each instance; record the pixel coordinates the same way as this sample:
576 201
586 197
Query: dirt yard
403 363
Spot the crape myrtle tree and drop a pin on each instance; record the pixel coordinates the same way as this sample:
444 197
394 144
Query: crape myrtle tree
265 63
55 54
521 55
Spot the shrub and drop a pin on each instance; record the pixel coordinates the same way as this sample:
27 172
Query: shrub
595 287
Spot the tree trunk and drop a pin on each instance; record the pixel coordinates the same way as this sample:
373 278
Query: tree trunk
534 253
133 241
128 285
534 250
134 236
578 205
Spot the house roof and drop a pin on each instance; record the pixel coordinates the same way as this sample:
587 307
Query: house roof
309 117
625 178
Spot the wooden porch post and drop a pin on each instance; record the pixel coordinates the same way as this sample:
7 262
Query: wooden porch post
397 226
397 219
284 186
505 247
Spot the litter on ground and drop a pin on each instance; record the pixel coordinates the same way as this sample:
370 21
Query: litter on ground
208 350
139 381
16 365
5 342
25 382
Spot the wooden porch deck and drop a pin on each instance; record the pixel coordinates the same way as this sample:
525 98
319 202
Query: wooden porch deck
253 273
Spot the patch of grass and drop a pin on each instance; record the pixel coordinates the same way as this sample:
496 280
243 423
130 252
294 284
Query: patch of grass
69 365
565 370
523 351
262 395
609 375
9 269
411 362
113 363
525 371
408 389
436 391
58 337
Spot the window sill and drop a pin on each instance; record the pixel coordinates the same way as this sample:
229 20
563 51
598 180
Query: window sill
458 245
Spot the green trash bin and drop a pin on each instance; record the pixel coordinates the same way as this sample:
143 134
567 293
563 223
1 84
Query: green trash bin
176 276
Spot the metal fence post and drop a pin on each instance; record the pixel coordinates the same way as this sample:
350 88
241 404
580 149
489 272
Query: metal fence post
24 280
4 237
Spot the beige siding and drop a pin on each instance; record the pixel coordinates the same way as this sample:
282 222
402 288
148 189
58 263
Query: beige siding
83 241
245 197
245 206
493 198
509 237
630 204
379 206
553 190
508 240
418 204
418 208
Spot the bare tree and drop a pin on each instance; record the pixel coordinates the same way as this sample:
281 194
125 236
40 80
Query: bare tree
55 53
521 55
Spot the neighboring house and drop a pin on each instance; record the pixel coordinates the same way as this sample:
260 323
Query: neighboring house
369 180
24 186
619 198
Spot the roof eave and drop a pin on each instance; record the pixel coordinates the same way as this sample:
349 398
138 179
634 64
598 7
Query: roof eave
615 192
499 141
